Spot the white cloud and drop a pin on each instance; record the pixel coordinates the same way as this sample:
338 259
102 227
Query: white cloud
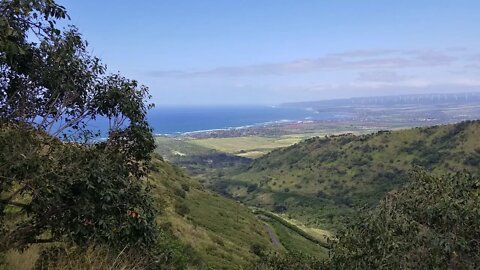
381 76
353 60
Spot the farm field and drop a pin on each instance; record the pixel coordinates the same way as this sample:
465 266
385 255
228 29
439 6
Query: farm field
250 146
243 146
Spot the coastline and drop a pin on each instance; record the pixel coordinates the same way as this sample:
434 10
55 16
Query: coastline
256 125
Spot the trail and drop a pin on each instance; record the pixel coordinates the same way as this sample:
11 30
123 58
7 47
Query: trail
273 236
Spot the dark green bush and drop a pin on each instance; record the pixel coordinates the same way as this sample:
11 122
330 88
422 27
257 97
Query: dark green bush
182 209
432 223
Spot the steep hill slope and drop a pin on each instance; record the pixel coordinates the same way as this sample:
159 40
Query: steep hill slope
221 231
321 180
214 232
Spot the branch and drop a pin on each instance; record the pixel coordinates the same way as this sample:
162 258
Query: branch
43 241
70 123
23 205
7 200
49 111
60 112
21 234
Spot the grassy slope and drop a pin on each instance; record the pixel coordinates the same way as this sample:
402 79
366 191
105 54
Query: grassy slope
172 148
205 209
220 230
293 241
294 237
321 179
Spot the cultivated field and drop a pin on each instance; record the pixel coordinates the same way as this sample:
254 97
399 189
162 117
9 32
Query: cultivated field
251 146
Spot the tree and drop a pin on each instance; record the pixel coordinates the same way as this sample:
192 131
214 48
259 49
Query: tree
432 223
56 177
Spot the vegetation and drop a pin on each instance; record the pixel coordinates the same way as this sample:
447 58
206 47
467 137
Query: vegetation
320 181
431 223
58 184
294 241
251 146
215 233
220 231
322 242
64 194
294 260
362 170
70 200
196 159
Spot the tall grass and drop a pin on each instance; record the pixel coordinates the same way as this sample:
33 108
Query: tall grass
92 258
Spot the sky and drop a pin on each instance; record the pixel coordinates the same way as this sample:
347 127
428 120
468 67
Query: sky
235 52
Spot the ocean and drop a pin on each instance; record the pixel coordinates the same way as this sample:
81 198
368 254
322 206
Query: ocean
171 120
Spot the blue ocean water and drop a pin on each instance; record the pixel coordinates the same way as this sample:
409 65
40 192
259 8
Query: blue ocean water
174 120
169 120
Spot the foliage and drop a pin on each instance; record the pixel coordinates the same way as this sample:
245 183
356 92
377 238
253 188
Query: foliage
294 228
292 241
57 182
71 192
219 231
431 223
92 258
182 209
169 253
320 181
288 261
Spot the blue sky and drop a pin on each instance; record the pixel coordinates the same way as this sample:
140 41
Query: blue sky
273 51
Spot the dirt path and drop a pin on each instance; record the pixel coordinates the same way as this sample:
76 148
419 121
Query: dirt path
273 236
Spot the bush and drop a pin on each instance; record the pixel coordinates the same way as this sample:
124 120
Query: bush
180 193
473 159
279 208
182 209
92 258
169 253
257 249
432 223
251 188
288 261
185 187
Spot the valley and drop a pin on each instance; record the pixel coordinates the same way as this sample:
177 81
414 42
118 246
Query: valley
255 135
307 186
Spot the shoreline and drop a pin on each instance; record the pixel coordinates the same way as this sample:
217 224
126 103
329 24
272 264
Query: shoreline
263 124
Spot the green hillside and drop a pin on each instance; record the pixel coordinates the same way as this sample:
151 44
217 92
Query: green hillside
321 180
220 230
217 233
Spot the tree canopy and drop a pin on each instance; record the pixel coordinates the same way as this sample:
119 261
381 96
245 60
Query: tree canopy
58 180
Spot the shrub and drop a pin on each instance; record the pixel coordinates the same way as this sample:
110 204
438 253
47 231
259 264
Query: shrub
257 249
185 187
288 261
180 193
432 223
251 188
182 209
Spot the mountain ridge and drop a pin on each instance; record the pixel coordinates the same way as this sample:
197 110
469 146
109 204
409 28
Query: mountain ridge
429 99
321 180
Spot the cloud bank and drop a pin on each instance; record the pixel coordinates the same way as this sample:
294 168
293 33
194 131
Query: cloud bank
352 60
336 75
